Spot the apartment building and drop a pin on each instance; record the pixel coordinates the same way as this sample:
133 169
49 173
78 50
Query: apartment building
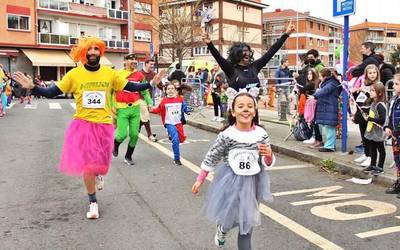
232 21
312 33
38 34
386 37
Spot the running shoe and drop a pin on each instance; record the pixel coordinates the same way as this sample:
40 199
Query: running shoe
129 162
220 119
153 138
93 211
219 238
366 163
100 182
394 189
177 162
360 159
377 171
369 169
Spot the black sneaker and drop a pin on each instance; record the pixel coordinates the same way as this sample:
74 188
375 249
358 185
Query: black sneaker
377 171
129 161
178 163
369 169
326 150
394 189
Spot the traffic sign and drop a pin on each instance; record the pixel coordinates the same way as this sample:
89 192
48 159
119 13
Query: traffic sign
343 7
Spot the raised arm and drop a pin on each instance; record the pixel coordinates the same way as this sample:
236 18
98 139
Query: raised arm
260 63
225 65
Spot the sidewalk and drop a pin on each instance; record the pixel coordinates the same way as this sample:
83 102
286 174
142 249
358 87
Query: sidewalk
279 130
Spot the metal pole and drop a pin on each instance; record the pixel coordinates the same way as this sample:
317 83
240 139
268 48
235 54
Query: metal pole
345 96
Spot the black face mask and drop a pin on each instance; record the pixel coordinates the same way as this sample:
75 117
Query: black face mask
310 62
92 62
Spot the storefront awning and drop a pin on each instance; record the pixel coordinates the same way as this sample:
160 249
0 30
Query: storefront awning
55 58
8 52
104 61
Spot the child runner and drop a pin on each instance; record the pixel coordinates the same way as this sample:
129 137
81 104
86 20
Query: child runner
89 137
392 128
374 134
171 109
242 182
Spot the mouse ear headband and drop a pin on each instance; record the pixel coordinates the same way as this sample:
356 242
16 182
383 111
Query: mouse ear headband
232 93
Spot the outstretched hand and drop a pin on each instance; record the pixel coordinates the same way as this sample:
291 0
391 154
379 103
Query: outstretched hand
157 78
25 81
206 37
291 28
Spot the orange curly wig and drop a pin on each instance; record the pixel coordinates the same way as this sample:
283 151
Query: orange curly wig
78 53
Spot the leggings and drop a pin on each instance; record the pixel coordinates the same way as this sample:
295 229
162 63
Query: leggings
374 147
217 104
363 126
244 241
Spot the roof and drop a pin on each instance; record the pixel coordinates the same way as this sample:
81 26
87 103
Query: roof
289 14
371 25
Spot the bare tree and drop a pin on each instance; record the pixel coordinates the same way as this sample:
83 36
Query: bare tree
179 27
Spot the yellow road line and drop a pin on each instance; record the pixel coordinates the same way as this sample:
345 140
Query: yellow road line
274 215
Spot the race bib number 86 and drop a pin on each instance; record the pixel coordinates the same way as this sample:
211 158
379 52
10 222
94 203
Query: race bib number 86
94 99
244 162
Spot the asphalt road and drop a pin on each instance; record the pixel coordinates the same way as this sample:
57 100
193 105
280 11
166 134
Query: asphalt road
150 206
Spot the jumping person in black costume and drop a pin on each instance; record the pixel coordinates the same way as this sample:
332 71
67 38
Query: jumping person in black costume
240 68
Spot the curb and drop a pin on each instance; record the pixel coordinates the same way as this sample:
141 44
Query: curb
340 166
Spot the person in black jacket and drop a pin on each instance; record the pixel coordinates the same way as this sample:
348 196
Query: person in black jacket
177 74
386 70
369 57
240 68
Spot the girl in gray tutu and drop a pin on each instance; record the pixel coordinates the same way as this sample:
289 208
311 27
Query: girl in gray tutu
241 182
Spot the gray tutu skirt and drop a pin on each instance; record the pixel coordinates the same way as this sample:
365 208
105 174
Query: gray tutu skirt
233 200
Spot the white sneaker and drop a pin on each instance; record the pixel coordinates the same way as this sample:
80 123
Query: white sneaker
214 119
310 141
366 162
360 159
93 211
220 119
219 238
100 182
153 138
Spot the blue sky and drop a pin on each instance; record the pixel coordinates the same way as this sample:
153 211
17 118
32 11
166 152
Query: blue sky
375 11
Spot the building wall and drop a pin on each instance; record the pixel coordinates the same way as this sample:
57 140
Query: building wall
233 11
117 59
356 39
13 37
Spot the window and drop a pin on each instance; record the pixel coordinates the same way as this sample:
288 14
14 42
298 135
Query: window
18 22
311 25
209 28
319 26
238 7
45 26
391 34
142 8
143 35
278 28
323 27
310 41
198 51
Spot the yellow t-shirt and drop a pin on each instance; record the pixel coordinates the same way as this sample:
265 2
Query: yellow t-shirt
92 92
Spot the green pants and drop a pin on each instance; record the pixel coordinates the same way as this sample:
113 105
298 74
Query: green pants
128 117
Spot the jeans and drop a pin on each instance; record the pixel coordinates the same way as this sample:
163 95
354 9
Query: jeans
330 134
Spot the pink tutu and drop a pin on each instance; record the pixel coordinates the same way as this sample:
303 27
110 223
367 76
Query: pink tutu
87 148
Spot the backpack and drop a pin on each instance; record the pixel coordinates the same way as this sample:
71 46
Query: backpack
309 110
302 132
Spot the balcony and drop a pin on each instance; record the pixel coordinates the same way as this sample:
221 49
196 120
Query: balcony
375 39
83 9
332 47
67 40
337 35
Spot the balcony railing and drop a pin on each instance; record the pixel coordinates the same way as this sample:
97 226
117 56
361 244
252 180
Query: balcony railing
54 5
375 39
90 10
117 14
66 40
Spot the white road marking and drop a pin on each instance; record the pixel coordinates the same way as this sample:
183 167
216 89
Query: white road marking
73 105
54 105
288 167
274 215
11 105
379 232
31 106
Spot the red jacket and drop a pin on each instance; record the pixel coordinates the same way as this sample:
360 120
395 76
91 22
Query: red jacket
171 110
127 96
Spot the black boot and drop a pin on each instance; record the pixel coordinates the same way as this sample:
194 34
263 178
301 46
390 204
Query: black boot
395 188
116 146
128 155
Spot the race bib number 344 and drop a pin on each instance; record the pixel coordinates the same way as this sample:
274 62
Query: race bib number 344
94 99
244 162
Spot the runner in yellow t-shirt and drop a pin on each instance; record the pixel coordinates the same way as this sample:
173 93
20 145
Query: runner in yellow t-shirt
89 138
